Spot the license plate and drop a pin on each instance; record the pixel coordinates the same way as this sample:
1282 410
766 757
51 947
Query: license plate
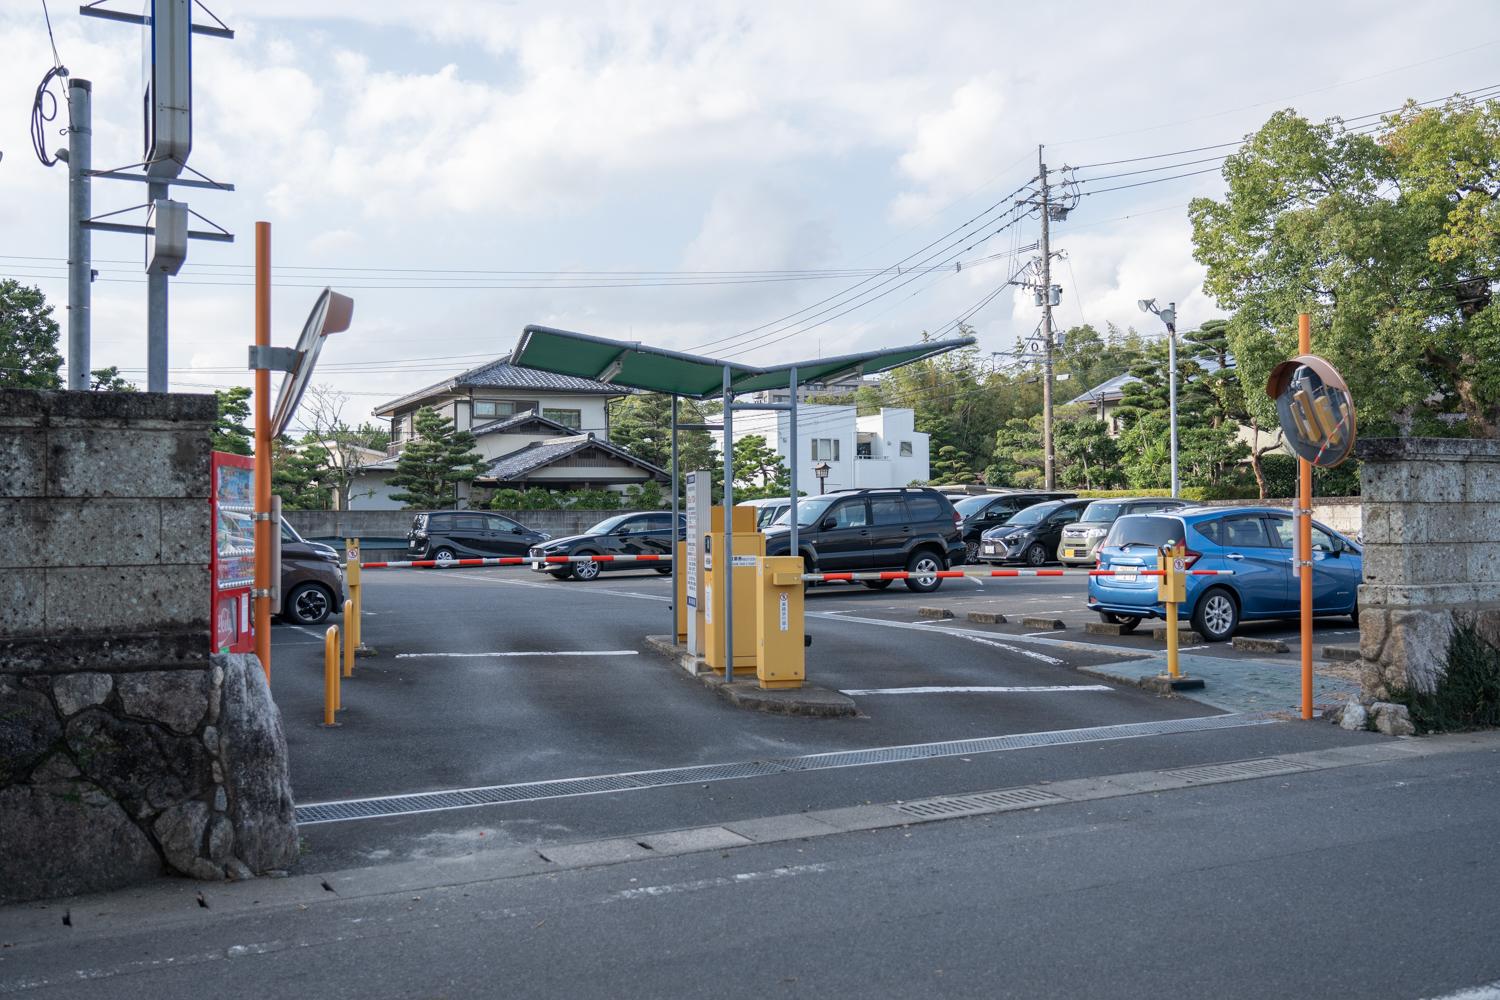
1125 577
989 550
1074 553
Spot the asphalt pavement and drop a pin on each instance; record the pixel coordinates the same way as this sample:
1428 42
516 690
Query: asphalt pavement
495 677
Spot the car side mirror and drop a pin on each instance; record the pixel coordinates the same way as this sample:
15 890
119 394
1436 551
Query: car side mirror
829 524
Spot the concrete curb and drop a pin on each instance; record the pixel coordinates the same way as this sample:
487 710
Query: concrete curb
1185 636
1105 628
1252 645
1050 624
808 700
1346 654
178 902
986 617
934 613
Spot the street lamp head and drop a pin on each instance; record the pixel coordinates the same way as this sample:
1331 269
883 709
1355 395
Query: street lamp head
1147 305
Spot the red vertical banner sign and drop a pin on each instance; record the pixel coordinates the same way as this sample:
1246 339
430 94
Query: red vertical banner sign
232 553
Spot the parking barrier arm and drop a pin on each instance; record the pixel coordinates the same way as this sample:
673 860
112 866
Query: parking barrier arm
511 561
953 574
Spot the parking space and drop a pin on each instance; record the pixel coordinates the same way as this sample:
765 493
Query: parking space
495 677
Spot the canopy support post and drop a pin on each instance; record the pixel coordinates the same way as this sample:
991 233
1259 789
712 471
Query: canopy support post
792 462
726 553
676 563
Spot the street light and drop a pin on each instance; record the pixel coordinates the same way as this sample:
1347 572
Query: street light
1169 317
821 471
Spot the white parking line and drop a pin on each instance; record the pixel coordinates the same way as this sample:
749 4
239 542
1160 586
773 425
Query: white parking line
561 652
1036 689
960 633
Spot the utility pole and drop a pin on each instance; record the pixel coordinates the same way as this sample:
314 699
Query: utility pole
1171 318
1048 463
80 240
156 310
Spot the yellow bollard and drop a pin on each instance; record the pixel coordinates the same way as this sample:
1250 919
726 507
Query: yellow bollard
351 574
348 640
330 675
1172 590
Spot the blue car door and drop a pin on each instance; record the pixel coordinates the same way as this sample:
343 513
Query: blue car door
1261 570
1336 577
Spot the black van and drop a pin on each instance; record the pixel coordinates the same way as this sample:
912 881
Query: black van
468 534
914 529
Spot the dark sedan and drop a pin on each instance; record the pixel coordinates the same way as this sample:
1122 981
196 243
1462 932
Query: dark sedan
638 534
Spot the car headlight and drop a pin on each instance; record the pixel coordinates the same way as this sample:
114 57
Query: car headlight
544 535
1095 533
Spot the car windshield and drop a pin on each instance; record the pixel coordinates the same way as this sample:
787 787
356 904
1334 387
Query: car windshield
808 511
1143 529
969 506
607 525
1102 511
1035 513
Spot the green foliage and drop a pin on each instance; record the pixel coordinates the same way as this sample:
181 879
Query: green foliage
110 380
368 435
1281 478
642 425
28 339
297 475
1390 240
231 432
431 466
759 471
1467 696
646 496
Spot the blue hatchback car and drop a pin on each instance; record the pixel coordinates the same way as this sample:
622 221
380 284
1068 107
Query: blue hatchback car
1254 542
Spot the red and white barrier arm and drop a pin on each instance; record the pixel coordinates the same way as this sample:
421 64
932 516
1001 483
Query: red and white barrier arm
953 574
508 561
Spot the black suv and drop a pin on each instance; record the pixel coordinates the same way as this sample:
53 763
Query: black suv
879 529
984 511
643 534
468 534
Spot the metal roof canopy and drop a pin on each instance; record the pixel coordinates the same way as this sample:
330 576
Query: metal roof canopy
654 369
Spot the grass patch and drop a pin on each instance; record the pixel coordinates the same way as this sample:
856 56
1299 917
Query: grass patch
1468 696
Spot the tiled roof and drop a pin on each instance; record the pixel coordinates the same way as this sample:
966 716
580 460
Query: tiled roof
501 374
510 424
519 464
1114 388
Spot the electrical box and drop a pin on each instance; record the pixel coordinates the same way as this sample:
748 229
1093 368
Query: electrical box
166 244
781 654
167 67
749 547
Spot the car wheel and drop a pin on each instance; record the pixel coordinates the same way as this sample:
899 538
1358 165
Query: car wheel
1216 616
307 604
1127 623
922 563
586 570
1036 554
445 554
664 570
878 584
971 552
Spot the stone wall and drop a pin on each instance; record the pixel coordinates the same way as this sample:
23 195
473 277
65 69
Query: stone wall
125 750
1343 514
1431 558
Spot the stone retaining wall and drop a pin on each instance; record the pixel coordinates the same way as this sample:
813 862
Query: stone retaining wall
125 750
1431 558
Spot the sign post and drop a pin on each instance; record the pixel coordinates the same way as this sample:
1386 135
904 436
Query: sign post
1317 416
699 500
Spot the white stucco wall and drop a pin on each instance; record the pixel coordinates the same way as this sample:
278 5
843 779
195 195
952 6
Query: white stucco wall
841 423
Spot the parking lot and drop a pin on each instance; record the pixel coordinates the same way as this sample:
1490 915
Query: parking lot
489 678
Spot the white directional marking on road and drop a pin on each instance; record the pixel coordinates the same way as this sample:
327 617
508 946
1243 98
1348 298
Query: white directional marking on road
1035 689
1056 631
723 880
960 633
563 652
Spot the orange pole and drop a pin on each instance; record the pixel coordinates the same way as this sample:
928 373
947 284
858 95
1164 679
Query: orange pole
349 638
1304 541
330 675
263 450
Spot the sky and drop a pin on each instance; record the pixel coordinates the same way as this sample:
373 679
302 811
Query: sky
762 180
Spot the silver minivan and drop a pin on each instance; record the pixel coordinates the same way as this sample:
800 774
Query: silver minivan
1079 540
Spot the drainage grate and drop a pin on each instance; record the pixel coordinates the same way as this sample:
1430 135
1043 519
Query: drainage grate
1233 770
985 802
468 798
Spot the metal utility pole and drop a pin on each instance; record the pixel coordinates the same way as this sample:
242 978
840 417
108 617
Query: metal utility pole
1171 318
156 313
1049 464
80 240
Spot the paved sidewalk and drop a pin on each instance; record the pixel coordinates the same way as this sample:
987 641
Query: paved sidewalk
1237 685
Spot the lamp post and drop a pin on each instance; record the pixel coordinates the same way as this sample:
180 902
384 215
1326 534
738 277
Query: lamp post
1169 317
821 471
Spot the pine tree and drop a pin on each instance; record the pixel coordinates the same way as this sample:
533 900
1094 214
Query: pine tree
642 425
230 432
759 471
431 466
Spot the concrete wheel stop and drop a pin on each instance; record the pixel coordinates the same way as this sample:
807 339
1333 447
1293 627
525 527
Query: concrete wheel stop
808 700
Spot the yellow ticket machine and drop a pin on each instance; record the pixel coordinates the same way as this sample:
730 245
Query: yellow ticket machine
782 654
749 547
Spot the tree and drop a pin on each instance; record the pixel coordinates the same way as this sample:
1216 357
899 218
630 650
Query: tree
28 339
295 472
642 425
230 432
345 447
1087 456
1390 240
434 463
759 470
110 380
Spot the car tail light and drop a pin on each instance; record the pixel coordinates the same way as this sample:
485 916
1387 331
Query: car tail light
958 519
1189 557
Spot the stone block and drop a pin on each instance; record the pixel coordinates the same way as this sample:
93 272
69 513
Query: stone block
1392 719
113 599
1482 482
1483 564
75 692
1412 481
65 838
128 462
93 532
180 832
1397 565
1403 648
140 765
23 463
934 613
177 699
136 409
29 731
257 773
1354 717
23 603
986 617
107 653
186 532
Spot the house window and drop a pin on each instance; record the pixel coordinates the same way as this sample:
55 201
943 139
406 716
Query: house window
494 408
825 449
906 449
568 418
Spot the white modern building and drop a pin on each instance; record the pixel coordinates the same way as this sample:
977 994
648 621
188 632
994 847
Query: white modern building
881 449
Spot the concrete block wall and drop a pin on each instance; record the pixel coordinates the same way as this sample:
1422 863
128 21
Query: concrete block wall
394 524
1432 555
125 750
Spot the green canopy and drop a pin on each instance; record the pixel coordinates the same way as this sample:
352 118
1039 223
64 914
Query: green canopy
635 366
